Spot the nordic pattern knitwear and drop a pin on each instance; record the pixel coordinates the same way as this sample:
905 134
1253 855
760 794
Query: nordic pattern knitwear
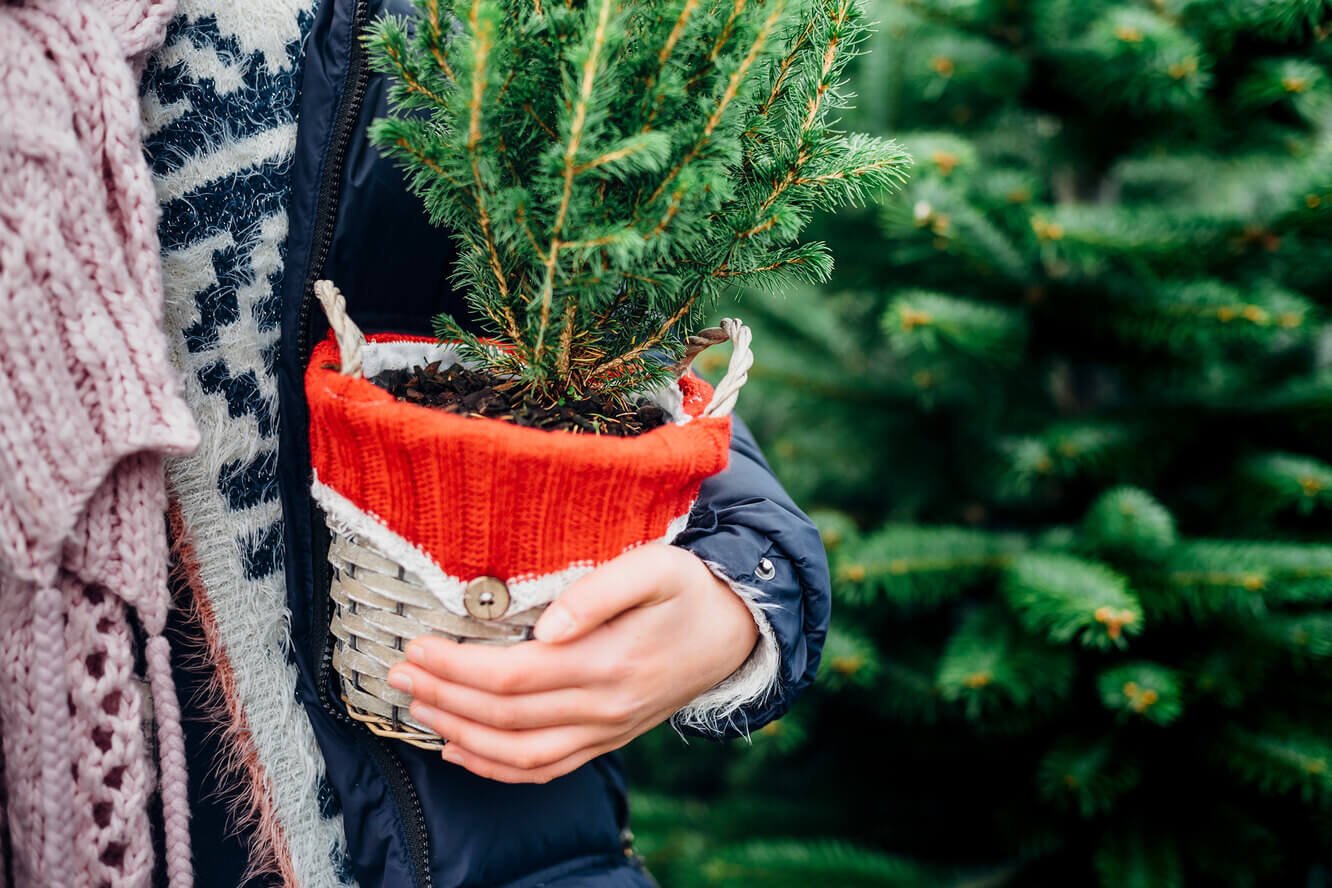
89 406
219 101
489 498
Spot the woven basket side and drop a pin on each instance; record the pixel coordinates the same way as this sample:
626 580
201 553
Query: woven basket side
378 608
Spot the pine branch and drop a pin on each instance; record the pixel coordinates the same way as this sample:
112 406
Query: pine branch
620 361
728 96
1067 598
1089 775
436 40
483 41
677 31
570 171
409 78
784 68
841 10
737 8
1143 690
918 566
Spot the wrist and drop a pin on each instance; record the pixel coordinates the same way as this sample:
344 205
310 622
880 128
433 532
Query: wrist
721 596
754 673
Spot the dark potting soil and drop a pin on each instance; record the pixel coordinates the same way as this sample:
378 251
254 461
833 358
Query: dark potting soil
477 393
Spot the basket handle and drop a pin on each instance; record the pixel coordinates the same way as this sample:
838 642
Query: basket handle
350 338
737 372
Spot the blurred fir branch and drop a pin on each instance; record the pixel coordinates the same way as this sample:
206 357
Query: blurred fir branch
1133 859
1087 775
1281 759
1065 414
1131 522
917 567
1065 598
991 668
1142 690
798 864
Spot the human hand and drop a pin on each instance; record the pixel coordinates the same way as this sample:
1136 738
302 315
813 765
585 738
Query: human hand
622 650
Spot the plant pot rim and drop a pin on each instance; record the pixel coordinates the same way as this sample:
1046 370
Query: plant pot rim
325 367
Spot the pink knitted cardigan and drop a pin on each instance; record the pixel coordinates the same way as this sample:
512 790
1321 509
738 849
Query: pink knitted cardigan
88 408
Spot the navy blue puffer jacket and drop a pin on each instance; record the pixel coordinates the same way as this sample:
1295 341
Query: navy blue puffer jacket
410 819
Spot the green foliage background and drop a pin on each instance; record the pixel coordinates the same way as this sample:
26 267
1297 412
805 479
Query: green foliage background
1065 413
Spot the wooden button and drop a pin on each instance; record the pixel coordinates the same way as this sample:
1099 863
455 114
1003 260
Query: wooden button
486 598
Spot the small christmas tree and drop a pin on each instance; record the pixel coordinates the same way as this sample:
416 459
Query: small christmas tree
609 168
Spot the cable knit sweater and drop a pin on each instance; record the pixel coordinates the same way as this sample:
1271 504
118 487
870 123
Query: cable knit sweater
88 408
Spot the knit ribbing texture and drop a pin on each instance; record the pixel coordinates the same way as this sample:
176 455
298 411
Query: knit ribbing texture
484 497
88 408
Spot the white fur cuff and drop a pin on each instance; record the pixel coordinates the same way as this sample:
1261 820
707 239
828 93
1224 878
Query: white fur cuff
752 683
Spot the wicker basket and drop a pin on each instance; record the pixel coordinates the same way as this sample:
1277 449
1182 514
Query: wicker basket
387 591
377 607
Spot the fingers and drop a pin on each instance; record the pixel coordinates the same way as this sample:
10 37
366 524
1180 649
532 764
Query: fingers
566 706
641 576
524 668
536 750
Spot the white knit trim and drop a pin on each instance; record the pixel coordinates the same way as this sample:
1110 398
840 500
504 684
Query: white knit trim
376 357
526 590
752 683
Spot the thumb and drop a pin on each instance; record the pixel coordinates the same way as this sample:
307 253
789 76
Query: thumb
636 578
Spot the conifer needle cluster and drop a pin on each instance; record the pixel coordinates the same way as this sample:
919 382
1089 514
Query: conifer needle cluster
608 168
1074 418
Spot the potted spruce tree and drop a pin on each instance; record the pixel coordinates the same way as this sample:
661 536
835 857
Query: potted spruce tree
606 169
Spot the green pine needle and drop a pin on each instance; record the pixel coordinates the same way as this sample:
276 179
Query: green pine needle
991 668
1135 859
918 566
922 320
1131 521
1087 776
1281 761
850 658
1279 481
1066 598
1207 577
1142 690
1063 451
1303 637
799 864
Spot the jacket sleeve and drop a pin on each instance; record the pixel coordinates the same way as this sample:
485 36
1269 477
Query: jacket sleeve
749 532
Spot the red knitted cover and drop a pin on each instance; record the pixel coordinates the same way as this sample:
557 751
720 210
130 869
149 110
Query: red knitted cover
484 497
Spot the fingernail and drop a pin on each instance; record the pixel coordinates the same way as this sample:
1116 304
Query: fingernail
415 653
449 754
554 624
398 678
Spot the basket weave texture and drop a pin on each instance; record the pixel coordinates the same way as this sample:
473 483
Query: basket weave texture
378 606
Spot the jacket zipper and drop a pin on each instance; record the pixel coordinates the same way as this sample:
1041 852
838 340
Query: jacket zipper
404 793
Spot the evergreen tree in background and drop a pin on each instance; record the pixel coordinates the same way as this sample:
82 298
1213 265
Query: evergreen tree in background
1067 406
